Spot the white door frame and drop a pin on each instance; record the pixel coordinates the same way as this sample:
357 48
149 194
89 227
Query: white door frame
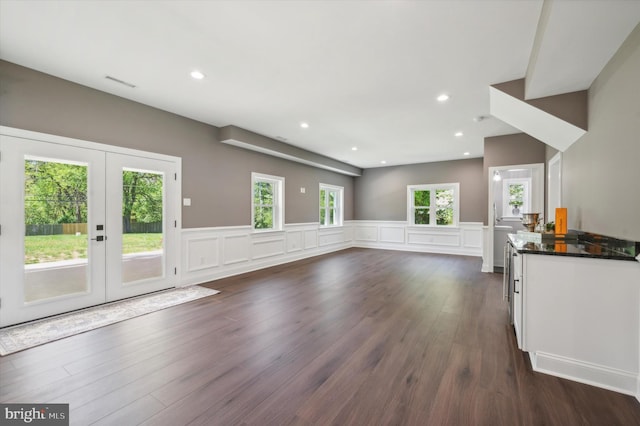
174 256
537 203
554 186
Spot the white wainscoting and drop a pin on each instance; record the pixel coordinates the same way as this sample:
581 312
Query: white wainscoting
465 239
213 253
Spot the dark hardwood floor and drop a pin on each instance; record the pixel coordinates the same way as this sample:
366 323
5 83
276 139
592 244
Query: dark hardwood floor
358 337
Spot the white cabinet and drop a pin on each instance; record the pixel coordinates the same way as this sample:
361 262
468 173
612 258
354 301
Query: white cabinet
579 318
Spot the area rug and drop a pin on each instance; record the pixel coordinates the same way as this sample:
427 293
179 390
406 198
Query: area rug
24 336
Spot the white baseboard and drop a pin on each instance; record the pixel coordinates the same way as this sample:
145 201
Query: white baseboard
416 249
592 374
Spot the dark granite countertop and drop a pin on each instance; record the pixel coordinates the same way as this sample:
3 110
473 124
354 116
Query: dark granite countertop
579 244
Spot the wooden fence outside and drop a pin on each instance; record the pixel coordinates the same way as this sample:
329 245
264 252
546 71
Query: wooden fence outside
73 228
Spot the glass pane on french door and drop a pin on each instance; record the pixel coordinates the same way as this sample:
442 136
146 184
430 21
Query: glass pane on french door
142 225
56 241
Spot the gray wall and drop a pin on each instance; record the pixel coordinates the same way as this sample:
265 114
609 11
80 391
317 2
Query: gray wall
509 150
600 171
381 193
571 107
216 177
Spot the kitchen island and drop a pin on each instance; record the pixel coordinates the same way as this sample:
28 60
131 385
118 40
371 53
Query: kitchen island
576 308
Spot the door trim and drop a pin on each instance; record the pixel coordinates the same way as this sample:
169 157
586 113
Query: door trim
80 143
537 180
554 183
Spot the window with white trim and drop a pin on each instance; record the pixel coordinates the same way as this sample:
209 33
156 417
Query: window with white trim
433 205
267 202
331 201
515 197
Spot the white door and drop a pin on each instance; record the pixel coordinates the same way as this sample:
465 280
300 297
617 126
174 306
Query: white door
63 245
140 225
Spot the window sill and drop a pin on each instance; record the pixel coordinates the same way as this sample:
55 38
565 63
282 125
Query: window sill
434 226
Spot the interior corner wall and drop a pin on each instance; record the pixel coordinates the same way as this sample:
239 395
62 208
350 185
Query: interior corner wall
600 171
509 150
571 107
381 193
216 177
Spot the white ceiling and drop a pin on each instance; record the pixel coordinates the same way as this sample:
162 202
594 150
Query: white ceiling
361 73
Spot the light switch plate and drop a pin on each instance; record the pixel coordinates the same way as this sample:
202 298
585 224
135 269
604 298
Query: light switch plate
303 190
186 202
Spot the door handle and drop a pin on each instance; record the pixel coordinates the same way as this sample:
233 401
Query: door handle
99 238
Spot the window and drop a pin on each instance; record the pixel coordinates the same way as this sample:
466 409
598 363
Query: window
267 212
433 205
331 198
515 197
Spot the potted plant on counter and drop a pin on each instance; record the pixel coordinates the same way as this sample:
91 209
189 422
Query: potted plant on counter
550 227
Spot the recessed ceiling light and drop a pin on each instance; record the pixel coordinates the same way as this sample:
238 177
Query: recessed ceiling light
304 125
197 75
383 162
442 98
355 148
459 134
466 153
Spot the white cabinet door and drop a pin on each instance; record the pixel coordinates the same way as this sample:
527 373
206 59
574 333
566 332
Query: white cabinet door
518 298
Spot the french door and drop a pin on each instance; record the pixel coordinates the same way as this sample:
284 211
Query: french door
81 227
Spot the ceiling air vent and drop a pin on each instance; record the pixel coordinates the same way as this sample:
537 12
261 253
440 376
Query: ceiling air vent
133 86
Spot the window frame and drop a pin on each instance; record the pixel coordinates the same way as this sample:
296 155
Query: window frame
278 201
432 204
338 205
526 197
